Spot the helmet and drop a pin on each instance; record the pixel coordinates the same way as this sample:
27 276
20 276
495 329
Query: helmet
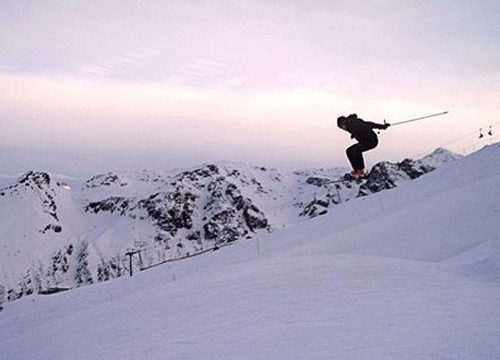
352 117
341 121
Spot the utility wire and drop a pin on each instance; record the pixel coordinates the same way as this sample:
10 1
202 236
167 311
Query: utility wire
475 132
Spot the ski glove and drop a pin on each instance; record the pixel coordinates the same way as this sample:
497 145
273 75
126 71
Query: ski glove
385 126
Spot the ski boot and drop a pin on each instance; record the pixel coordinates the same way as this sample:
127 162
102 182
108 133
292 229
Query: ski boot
356 175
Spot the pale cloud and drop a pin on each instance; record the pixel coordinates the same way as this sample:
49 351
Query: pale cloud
202 72
116 64
258 76
106 113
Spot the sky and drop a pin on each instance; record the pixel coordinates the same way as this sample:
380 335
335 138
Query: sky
90 87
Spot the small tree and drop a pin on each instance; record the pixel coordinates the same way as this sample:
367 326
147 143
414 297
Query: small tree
83 275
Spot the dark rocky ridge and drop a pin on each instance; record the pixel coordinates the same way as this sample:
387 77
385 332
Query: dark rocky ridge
203 195
383 176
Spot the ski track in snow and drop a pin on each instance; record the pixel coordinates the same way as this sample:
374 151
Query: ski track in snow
409 273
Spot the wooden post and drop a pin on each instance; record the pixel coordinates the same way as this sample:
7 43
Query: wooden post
140 260
380 201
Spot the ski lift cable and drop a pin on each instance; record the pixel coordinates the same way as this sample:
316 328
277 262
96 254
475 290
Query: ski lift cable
445 144
455 140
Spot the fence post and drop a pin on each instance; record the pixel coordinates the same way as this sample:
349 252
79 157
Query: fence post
140 260
130 254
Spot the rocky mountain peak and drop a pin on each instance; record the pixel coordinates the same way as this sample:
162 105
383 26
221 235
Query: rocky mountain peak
37 178
168 215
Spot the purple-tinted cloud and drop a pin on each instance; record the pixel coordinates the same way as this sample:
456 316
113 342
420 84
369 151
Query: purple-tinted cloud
247 74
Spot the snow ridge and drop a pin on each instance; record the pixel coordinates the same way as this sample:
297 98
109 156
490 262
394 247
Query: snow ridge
81 235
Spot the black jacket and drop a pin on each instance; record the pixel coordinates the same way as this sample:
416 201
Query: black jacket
362 130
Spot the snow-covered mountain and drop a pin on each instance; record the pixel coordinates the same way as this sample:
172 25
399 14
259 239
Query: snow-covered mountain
61 233
409 273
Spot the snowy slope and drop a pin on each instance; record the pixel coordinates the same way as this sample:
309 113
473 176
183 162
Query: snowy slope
57 232
38 214
408 273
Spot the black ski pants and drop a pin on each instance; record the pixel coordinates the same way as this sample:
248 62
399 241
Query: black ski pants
355 153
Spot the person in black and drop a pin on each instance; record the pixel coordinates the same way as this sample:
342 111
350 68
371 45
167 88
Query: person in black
363 132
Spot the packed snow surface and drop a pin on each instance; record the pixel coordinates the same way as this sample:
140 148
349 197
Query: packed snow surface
407 273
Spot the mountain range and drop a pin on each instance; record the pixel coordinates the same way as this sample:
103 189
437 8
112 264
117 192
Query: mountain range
340 270
59 233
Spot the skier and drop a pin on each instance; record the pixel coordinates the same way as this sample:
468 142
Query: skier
363 132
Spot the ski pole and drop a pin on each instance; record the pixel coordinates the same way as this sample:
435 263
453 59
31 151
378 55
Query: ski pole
419 118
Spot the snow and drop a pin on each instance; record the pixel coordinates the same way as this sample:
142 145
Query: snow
54 228
408 273
440 156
